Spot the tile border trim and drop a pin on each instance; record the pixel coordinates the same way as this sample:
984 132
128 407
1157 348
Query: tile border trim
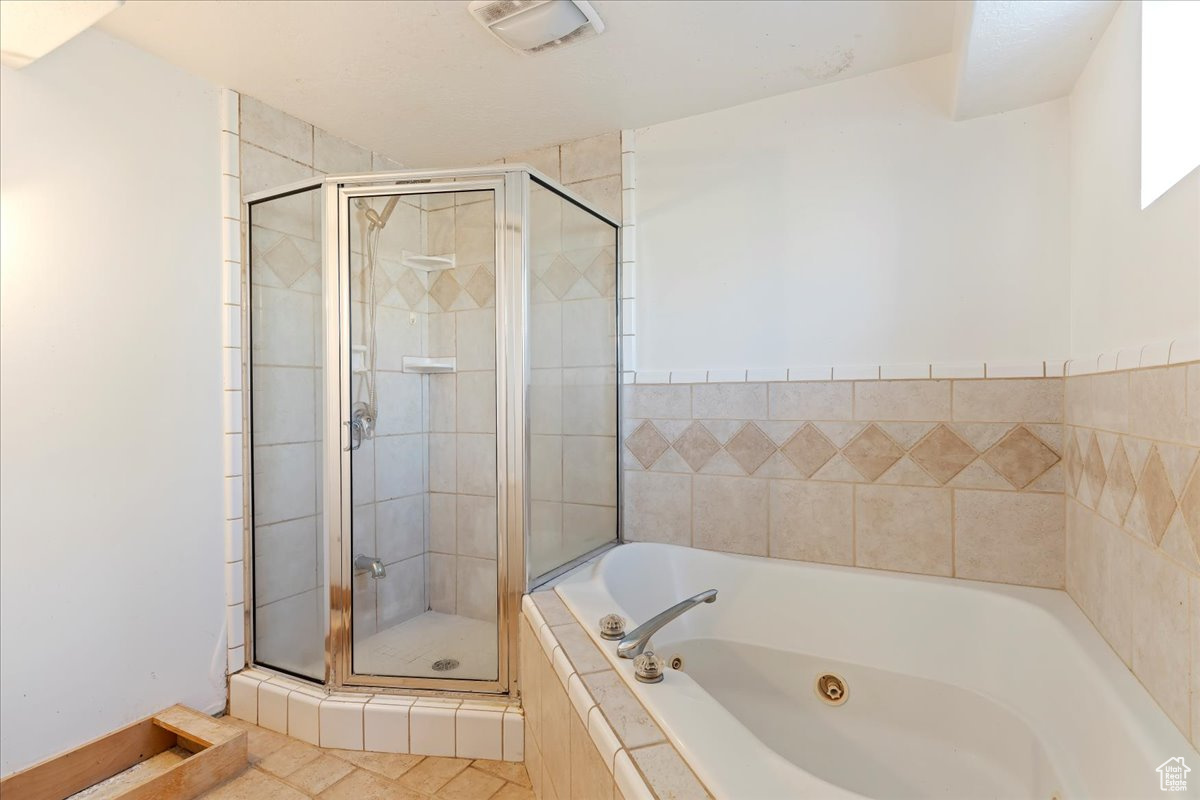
296 711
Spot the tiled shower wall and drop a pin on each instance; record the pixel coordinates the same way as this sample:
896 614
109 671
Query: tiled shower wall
940 477
462 406
1132 461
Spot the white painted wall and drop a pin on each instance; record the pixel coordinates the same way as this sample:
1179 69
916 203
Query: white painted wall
1135 274
111 556
853 223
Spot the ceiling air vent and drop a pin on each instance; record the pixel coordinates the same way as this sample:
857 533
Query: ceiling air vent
536 26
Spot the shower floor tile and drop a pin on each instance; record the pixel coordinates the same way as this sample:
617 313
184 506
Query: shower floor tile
411 648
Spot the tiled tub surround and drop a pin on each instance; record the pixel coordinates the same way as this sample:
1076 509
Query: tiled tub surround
383 723
588 736
1132 463
941 477
1010 692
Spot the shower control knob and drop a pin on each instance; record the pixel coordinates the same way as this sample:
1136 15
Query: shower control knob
648 668
612 626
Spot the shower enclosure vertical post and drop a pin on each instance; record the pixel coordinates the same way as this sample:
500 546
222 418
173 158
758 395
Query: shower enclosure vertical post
337 506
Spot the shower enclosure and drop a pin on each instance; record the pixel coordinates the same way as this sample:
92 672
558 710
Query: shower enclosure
431 418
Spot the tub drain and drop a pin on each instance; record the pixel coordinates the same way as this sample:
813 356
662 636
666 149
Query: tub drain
445 664
831 689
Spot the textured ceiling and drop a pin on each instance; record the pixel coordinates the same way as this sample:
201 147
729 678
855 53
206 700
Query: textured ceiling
424 83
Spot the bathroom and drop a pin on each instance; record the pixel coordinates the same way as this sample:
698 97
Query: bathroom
601 399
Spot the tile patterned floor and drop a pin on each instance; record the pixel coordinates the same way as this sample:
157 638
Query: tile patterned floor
287 769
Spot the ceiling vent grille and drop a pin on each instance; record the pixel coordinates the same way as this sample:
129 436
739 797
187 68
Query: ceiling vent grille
538 26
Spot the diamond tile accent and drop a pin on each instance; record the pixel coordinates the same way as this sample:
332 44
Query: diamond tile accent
872 452
482 286
1020 457
696 445
943 453
750 447
1154 487
602 273
1074 463
808 449
411 288
647 444
560 277
286 261
1120 486
445 290
1093 468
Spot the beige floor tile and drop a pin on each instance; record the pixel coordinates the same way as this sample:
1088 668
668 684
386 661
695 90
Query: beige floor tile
508 770
470 784
363 785
289 758
512 791
260 742
318 775
433 773
254 785
389 765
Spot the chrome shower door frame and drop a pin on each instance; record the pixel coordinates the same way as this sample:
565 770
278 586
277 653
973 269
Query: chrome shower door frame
511 186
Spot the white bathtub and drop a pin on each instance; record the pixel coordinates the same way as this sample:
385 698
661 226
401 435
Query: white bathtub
956 689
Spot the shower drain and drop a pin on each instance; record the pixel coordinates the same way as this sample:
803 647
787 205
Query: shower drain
445 664
831 689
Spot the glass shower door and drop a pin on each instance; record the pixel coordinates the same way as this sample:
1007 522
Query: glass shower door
419 399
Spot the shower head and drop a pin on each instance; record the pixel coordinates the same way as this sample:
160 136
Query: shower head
374 218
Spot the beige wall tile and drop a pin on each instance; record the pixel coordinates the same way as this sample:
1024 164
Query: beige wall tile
658 401
1159 620
1194 628
530 672
1077 400
333 155
555 742
590 778
603 193
729 400
1099 574
624 713
658 507
591 158
812 521
543 159
1109 396
730 514
1010 537
276 131
667 773
820 400
901 528
1033 400
902 400
585 657
1158 405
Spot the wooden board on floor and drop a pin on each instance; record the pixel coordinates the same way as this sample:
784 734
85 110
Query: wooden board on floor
218 753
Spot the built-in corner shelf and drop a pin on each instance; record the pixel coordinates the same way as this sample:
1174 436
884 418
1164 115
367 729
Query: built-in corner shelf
428 366
426 263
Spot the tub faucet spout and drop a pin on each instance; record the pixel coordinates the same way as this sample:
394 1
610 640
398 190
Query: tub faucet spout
636 640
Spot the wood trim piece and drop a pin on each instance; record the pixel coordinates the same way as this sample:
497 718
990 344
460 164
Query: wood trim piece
219 753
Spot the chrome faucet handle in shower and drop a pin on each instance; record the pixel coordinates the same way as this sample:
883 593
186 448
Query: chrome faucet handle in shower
374 565
636 640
